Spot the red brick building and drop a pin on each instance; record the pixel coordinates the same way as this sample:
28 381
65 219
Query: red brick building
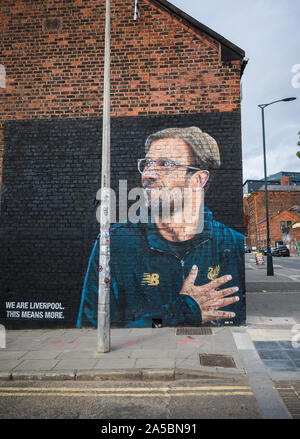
283 213
294 232
167 70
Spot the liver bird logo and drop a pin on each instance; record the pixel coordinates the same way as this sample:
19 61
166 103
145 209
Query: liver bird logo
213 273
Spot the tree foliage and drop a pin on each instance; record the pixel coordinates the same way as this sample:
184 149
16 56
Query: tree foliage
298 153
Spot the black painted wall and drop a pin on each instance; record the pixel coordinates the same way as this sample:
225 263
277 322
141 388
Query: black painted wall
51 174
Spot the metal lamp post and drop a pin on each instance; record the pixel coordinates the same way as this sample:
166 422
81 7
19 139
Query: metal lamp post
103 328
270 269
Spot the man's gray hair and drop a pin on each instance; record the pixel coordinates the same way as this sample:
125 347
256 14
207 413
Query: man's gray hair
206 154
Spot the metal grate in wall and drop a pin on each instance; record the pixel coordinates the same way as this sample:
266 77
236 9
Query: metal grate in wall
193 331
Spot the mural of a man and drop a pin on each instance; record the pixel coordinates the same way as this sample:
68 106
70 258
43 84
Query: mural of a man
182 271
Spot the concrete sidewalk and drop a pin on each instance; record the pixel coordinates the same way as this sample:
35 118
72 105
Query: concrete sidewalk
273 320
254 353
266 351
284 279
157 353
135 354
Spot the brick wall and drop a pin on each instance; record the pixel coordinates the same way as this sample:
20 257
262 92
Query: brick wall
159 65
278 202
276 232
164 72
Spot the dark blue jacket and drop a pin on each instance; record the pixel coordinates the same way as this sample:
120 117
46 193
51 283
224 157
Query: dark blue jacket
146 277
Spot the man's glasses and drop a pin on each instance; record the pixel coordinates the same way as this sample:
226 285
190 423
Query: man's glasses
161 166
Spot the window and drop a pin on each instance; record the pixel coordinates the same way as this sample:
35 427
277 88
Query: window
282 225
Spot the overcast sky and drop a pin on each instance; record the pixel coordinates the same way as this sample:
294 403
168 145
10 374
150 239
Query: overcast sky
269 32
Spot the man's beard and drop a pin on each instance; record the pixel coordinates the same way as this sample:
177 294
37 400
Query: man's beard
184 205
164 205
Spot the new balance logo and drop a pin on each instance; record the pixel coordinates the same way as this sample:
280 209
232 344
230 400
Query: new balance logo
150 279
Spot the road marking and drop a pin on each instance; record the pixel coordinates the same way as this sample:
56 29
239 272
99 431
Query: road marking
127 389
163 392
135 395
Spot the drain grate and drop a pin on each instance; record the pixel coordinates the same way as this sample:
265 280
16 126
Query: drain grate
193 331
213 360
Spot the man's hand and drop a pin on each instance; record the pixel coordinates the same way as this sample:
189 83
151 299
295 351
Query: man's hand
208 298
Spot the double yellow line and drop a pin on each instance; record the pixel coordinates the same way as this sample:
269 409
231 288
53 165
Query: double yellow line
136 392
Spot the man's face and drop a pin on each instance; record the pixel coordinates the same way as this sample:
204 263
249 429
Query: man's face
155 179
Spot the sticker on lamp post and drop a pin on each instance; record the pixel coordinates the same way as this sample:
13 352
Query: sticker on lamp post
2 76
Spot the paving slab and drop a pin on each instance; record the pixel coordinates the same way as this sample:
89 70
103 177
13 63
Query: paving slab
36 365
40 355
11 355
286 344
293 353
75 364
148 363
77 354
7 365
110 363
272 354
181 355
280 365
188 363
266 345
150 353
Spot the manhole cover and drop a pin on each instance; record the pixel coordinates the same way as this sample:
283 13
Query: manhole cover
213 360
193 331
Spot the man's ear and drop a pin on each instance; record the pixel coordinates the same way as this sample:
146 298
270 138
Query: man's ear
199 179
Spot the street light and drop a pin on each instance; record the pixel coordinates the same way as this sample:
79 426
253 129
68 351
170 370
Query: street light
270 270
103 328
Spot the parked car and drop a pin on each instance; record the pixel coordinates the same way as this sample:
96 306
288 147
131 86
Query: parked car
247 249
281 251
263 250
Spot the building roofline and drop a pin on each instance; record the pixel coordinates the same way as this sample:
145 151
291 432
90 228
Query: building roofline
278 215
277 188
280 188
250 179
200 26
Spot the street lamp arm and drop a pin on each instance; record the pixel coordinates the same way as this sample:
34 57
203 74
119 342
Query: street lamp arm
274 102
270 270
266 105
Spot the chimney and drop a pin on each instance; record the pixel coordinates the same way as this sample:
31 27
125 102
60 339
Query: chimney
285 181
